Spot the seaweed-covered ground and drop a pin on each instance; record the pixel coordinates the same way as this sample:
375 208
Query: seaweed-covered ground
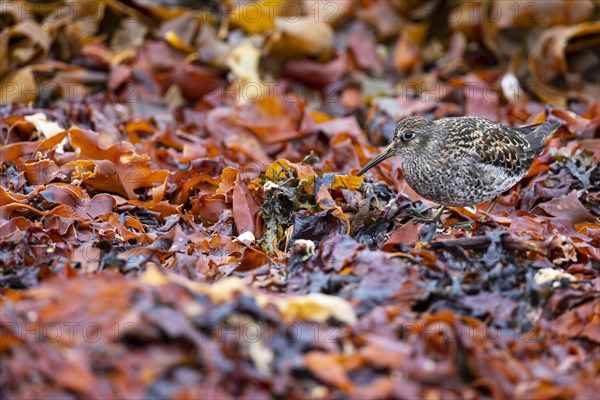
180 216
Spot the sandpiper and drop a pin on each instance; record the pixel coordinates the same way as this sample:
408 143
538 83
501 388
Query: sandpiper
462 161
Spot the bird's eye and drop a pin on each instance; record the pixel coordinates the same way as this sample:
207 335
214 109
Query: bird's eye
408 135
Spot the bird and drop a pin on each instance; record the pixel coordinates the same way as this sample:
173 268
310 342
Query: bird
463 161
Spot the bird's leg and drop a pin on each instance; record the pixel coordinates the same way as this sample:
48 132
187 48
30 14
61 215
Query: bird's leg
469 224
439 212
418 217
490 207
492 204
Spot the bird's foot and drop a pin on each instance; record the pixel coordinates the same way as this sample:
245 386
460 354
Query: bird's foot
420 218
426 220
462 225
469 224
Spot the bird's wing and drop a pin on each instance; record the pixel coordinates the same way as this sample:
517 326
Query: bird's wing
505 149
489 143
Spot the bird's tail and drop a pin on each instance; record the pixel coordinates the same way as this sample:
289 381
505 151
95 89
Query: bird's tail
537 138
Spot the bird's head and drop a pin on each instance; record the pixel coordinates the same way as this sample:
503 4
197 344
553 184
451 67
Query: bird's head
411 136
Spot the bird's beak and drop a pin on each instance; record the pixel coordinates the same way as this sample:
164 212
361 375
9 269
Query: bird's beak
384 155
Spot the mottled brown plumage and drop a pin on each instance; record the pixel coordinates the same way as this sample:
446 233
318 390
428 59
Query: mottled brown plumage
464 160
